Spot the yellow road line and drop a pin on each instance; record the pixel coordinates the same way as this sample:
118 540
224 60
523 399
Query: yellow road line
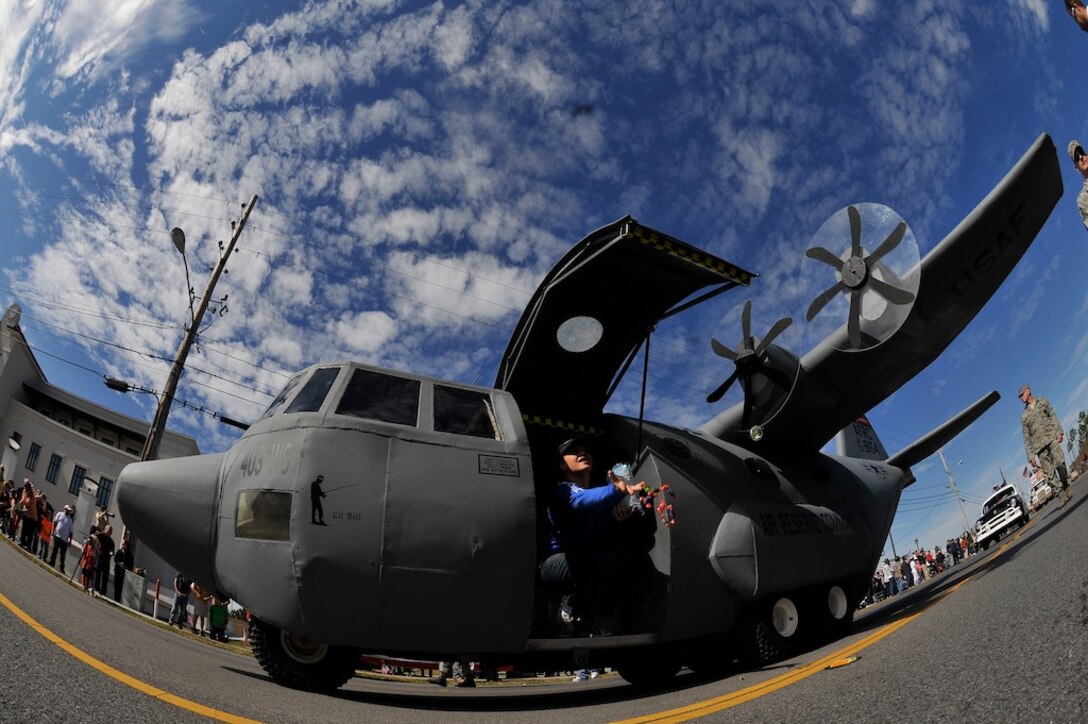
120 676
736 698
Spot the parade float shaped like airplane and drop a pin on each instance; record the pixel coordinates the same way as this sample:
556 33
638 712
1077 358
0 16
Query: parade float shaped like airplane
426 542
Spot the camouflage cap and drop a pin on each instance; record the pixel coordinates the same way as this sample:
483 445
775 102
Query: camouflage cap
1022 388
1072 148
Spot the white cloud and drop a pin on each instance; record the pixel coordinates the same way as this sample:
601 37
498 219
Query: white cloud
1025 310
97 35
1037 11
364 332
423 167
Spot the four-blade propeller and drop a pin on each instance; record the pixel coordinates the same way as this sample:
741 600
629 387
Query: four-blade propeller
751 359
855 272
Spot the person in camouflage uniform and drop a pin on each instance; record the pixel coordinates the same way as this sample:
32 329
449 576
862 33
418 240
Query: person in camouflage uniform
1043 439
1080 160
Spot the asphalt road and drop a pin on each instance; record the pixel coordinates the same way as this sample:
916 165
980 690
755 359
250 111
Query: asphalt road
1002 638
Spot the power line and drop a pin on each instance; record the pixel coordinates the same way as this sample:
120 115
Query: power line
198 408
38 299
45 327
145 189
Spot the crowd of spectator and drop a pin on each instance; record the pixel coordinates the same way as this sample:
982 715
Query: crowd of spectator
896 575
25 512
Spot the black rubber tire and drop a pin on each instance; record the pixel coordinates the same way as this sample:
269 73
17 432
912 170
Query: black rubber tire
826 627
758 644
331 667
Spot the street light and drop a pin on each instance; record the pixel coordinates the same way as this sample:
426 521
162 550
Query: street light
158 425
178 237
125 386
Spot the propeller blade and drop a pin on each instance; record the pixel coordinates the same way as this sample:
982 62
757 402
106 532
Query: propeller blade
855 230
888 244
895 295
722 388
854 321
775 330
722 351
819 302
746 415
821 254
746 324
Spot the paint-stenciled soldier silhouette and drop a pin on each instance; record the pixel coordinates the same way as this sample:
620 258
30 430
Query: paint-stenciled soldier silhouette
317 513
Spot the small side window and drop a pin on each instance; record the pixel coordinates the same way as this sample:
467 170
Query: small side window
377 396
464 412
314 391
277 403
263 515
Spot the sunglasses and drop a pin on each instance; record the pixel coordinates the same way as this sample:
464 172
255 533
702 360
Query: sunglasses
1078 154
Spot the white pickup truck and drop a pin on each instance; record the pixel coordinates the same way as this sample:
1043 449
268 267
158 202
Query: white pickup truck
1041 490
1002 512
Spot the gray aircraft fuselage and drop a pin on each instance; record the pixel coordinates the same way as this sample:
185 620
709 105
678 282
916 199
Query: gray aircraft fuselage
417 523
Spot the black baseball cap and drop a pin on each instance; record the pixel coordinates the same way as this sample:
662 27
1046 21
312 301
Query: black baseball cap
566 445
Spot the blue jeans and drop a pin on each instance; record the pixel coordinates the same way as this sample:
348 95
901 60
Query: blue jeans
178 614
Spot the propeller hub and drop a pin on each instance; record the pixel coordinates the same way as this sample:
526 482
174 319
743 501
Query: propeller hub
854 272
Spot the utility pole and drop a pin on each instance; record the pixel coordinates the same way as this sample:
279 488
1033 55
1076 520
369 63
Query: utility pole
158 425
894 554
952 482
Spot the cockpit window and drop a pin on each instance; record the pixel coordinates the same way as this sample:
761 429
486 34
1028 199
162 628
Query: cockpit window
377 396
314 392
263 515
464 412
277 404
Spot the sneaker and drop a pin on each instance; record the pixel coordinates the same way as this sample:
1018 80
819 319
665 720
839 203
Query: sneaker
594 674
579 679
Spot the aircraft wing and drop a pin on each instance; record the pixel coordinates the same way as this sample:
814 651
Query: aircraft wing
958 277
591 312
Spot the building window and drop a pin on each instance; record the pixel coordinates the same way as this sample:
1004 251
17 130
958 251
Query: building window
78 473
105 487
54 468
107 441
132 451
84 431
32 456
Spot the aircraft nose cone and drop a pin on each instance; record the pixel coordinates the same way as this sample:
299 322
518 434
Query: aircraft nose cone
170 505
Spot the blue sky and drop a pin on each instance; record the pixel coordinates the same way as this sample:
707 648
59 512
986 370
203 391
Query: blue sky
422 165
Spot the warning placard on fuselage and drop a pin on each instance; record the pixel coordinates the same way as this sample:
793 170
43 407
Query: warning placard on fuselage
499 465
